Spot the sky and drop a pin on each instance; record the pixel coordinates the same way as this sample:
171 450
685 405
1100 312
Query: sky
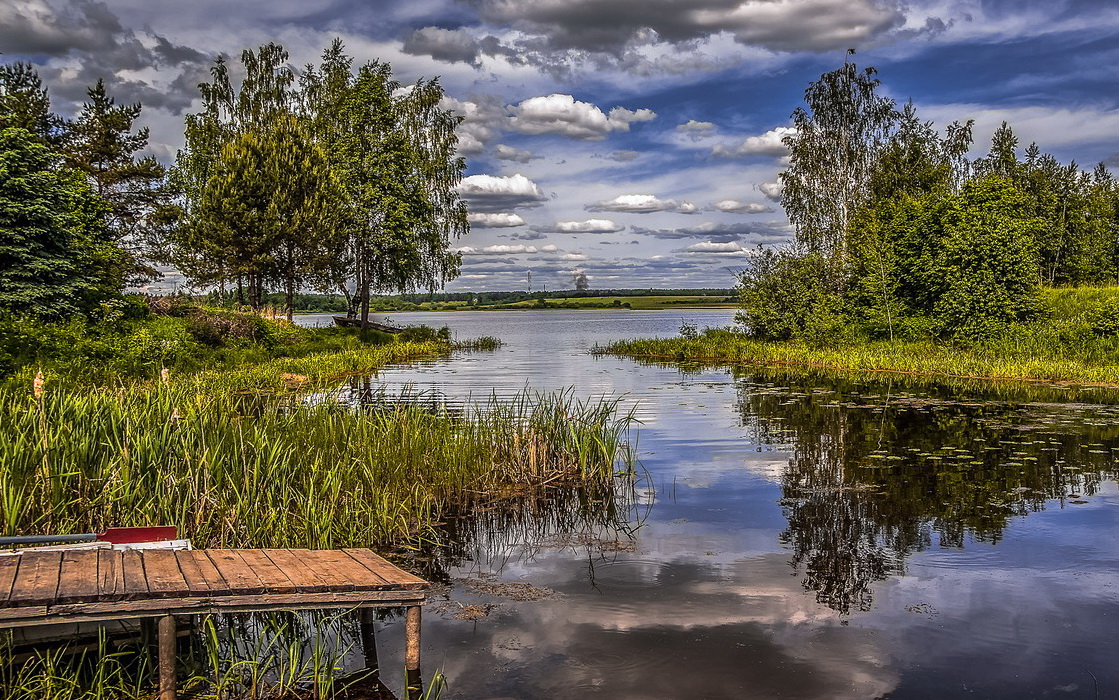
638 141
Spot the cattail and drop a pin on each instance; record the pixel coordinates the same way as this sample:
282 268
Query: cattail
37 385
165 375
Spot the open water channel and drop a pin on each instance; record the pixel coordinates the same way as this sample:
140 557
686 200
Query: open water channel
789 537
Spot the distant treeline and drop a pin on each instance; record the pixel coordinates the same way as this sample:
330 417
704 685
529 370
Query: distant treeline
332 303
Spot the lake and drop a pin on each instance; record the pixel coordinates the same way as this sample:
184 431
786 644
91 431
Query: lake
787 537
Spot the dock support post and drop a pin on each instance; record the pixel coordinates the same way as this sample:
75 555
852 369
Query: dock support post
167 643
412 652
412 638
369 638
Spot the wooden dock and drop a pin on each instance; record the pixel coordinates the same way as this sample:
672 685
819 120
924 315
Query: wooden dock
88 585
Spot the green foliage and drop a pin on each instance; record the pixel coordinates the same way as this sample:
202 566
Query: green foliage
56 257
786 293
987 261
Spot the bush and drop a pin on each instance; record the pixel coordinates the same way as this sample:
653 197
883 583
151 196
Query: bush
786 291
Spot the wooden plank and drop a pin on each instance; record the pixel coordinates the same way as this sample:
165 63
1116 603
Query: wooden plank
37 582
78 580
135 580
389 572
110 574
161 568
201 577
9 566
331 569
301 575
237 574
272 576
190 606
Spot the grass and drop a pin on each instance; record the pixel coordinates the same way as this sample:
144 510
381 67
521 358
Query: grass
1073 343
270 454
240 468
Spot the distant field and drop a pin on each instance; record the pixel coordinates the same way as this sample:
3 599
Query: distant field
637 303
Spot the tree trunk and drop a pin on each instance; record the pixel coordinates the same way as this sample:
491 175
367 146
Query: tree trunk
290 296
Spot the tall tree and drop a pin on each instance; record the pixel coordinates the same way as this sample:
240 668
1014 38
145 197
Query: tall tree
24 103
56 257
832 153
103 143
394 151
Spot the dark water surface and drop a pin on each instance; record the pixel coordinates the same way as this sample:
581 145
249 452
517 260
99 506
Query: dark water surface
792 537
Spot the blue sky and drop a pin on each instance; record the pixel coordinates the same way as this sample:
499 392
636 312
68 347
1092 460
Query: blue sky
636 140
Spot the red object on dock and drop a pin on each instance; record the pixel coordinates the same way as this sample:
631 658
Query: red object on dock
131 535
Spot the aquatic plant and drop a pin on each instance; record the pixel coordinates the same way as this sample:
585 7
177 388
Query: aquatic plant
242 459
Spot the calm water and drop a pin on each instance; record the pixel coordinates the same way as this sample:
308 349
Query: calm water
792 538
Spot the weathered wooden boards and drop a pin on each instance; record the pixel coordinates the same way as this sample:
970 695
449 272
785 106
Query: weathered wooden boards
112 584
48 587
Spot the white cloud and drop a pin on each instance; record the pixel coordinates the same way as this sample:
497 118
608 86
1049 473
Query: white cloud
494 220
642 204
492 193
483 120
734 206
715 248
696 130
548 248
771 190
573 257
566 116
503 249
768 144
516 155
588 226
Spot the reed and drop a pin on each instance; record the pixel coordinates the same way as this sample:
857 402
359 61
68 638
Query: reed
235 466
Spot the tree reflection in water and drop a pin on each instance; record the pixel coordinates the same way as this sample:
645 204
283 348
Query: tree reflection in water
879 471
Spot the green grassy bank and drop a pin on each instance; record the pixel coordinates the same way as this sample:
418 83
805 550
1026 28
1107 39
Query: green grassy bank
1072 342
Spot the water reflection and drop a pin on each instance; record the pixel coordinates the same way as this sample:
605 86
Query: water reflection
878 473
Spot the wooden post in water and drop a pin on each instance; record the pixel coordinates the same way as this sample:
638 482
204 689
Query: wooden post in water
412 638
412 652
369 638
167 643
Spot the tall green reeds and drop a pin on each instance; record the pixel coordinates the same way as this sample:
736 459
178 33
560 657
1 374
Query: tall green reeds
240 468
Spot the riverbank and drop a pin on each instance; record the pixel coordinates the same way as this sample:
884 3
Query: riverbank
268 435
1016 359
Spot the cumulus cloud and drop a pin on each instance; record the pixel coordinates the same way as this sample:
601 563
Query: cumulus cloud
494 220
494 194
721 232
734 206
612 26
483 120
516 155
587 226
449 45
716 248
696 130
573 257
514 249
642 204
498 249
74 43
564 115
768 144
771 190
